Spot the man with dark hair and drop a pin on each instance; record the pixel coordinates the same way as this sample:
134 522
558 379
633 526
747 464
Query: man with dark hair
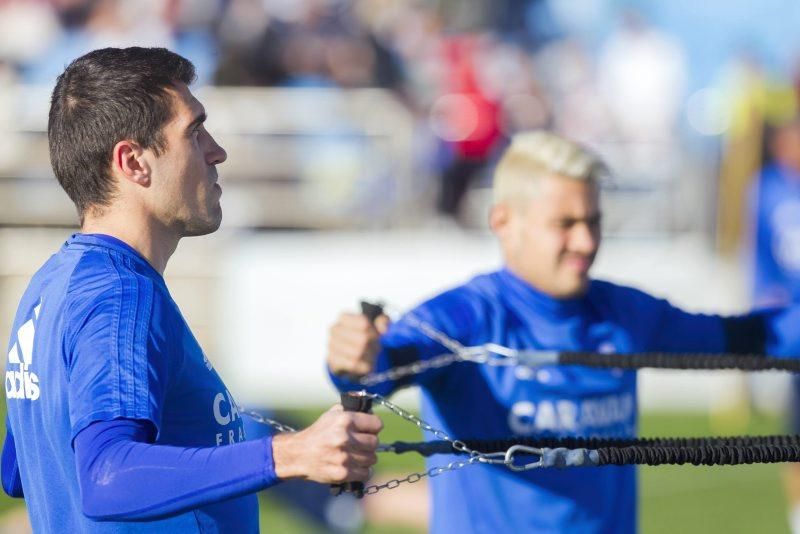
115 416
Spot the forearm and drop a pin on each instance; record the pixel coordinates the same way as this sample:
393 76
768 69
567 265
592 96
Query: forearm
123 478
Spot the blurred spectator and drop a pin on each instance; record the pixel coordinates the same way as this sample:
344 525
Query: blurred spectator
314 43
776 196
191 23
466 116
776 254
469 72
28 28
642 79
91 24
579 111
488 92
248 41
755 99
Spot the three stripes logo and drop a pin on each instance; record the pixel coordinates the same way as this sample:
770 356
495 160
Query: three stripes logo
23 383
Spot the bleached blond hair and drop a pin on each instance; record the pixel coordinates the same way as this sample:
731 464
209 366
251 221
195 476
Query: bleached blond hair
537 154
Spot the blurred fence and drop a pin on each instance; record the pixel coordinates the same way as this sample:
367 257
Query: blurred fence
299 158
348 160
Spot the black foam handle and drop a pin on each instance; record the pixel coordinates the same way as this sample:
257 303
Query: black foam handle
353 402
356 402
372 310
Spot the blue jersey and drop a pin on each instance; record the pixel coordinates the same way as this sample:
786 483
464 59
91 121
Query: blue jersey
97 337
776 250
467 400
776 273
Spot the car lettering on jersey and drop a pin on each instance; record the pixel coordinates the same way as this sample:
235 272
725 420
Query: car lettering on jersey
226 412
563 415
23 383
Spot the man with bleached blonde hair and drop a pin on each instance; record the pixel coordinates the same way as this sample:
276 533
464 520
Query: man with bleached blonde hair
538 154
546 211
546 217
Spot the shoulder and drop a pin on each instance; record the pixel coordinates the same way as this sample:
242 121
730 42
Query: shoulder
475 294
461 310
112 288
102 274
622 299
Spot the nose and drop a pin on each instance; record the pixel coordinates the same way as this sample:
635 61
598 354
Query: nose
584 238
215 154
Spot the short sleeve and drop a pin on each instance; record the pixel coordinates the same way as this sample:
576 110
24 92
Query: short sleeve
116 368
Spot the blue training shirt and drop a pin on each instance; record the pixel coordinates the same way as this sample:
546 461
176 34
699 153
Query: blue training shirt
470 401
98 337
776 210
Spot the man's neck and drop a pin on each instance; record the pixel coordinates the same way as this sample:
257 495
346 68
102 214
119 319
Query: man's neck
154 242
538 288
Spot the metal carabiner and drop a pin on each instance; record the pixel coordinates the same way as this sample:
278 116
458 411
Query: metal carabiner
509 458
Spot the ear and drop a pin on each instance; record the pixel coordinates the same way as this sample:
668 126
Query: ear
499 217
130 163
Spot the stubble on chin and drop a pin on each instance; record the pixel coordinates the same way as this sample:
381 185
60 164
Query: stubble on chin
198 227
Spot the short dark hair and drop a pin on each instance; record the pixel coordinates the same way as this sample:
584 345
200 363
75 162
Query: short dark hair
104 97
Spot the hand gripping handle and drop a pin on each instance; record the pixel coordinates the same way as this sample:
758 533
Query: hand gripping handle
371 310
353 401
356 402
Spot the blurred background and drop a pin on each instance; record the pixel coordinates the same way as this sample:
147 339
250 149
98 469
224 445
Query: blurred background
361 136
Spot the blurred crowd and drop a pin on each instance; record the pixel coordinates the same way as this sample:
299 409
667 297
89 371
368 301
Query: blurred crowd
472 72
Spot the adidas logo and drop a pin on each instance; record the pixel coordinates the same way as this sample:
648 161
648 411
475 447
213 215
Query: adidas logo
23 383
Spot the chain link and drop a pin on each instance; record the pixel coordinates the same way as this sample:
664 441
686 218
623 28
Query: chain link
436 335
258 418
498 458
416 477
505 458
490 354
418 367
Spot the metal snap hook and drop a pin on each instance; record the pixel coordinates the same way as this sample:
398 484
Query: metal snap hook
522 449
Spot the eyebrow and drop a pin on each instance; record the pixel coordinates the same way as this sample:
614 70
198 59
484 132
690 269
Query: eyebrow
201 118
590 219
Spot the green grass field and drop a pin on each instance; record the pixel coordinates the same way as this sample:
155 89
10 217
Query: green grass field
686 499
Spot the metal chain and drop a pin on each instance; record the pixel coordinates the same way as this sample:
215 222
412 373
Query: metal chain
258 418
457 353
416 477
420 366
490 354
436 335
503 458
